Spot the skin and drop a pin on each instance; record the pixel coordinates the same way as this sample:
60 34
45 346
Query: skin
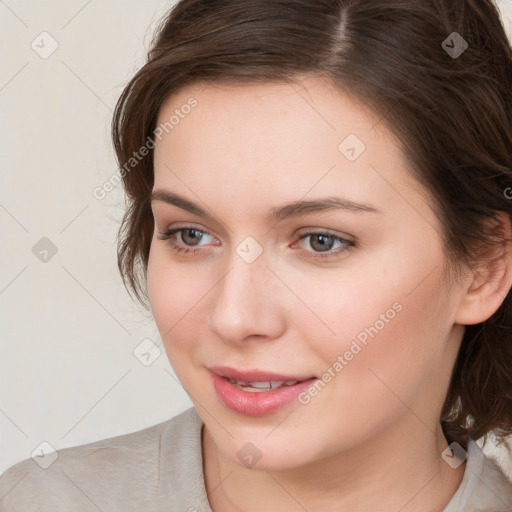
371 439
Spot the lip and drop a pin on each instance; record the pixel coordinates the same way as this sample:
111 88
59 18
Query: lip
256 403
254 375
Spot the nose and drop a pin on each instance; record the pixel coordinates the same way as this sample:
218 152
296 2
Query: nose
247 304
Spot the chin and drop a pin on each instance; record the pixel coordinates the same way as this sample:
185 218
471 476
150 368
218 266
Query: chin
286 451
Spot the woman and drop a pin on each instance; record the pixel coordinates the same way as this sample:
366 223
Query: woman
319 218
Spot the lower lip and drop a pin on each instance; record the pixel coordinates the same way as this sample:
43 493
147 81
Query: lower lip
256 403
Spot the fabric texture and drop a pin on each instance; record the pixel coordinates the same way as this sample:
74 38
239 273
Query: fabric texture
160 469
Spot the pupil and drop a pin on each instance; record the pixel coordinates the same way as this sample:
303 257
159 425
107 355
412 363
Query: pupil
323 246
194 237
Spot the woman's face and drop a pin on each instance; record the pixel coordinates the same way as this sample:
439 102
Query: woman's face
313 257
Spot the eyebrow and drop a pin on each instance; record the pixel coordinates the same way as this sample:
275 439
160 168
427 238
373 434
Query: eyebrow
276 214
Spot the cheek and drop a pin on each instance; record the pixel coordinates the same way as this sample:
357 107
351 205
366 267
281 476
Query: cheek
169 293
390 299
173 289
169 296
178 297
383 334
392 355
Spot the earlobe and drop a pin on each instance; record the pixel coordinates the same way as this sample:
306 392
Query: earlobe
488 285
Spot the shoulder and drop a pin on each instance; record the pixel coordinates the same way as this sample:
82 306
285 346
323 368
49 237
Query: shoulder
123 469
495 484
484 486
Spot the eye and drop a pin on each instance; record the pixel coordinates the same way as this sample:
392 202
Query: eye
188 236
188 240
323 243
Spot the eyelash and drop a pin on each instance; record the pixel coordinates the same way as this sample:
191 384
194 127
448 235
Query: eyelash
170 238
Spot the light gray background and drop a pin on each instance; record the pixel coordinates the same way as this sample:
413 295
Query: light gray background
68 329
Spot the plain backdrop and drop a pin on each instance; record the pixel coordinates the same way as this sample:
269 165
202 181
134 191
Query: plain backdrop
69 332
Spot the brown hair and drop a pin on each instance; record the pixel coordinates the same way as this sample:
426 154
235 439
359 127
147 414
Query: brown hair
451 113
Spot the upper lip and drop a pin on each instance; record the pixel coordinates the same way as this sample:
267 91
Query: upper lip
255 375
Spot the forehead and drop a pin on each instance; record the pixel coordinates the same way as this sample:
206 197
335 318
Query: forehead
313 101
278 142
268 125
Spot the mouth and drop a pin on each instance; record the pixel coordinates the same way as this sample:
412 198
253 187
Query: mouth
256 392
257 381
259 387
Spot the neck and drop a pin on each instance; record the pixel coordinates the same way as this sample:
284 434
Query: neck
399 469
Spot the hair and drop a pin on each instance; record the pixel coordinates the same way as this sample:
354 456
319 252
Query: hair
452 116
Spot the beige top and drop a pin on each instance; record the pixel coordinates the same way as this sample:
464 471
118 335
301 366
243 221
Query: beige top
160 469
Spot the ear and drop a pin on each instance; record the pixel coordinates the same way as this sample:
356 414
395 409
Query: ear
489 282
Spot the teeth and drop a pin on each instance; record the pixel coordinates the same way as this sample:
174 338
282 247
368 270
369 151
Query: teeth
258 387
